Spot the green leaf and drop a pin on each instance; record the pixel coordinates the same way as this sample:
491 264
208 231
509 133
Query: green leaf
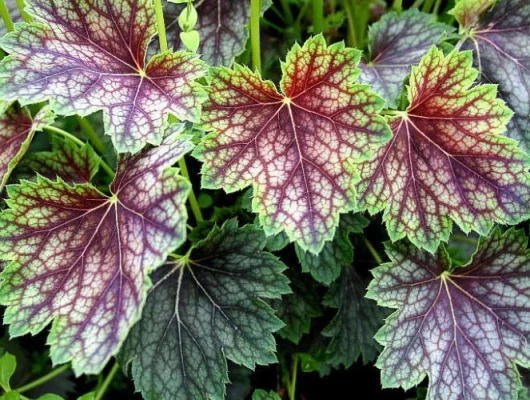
357 320
204 309
263 395
326 266
8 366
465 327
190 39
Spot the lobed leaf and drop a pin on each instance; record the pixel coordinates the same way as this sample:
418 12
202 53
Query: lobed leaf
447 160
80 258
501 44
16 132
203 310
396 42
464 327
296 148
87 56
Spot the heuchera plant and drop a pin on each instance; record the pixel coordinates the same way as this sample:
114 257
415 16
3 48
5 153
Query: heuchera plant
176 211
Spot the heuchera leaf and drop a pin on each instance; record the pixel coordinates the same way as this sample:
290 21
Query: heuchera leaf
203 310
296 148
66 160
502 53
326 266
357 320
447 160
464 327
81 258
397 42
16 132
91 56
222 26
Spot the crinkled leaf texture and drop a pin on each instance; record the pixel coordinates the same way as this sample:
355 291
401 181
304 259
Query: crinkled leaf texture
222 27
205 310
326 266
357 320
80 258
296 148
463 327
16 132
501 44
447 160
397 42
90 56
73 164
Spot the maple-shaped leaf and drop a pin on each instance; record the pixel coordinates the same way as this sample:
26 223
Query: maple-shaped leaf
66 160
396 42
204 309
222 26
501 44
357 320
16 132
447 160
80 258
296 148
91 56
326 266
464 327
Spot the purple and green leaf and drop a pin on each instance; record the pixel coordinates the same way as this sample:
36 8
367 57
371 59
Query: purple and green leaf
296 148
90 56
500 40
17 128
204 309
447 160
80 258
397 42
464 327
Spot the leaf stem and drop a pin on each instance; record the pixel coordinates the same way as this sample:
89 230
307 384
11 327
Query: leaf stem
398 5
195 208
25 16
106 383
255 34
427 6
318 16
436 8
91 134
287 11
43 379
351 39
464 239
80 143
417 3
160 25
294 375
378 259
4 12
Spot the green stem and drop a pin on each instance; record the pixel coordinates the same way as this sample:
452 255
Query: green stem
436 8
464 239
48 377
160 25
318 16
80 143
294 376
25 16
417 3
195 208
427 6
373 251
4 12
106 383
254 33
333 6
351 39
91 134
398 5
287 11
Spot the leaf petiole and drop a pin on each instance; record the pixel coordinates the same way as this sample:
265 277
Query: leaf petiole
106 383
43 379
4 12
255 34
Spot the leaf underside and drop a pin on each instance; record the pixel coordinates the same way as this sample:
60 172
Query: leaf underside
80 258
207 310
295 148
447 160
463 327
90 56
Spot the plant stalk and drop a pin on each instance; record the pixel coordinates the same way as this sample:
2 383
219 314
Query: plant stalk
25 16
160 25
255 34
294 376
318 16
398 5
287 11
351 38
4 12
427 5
195 208
378 259
91 134
43 379
106 383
